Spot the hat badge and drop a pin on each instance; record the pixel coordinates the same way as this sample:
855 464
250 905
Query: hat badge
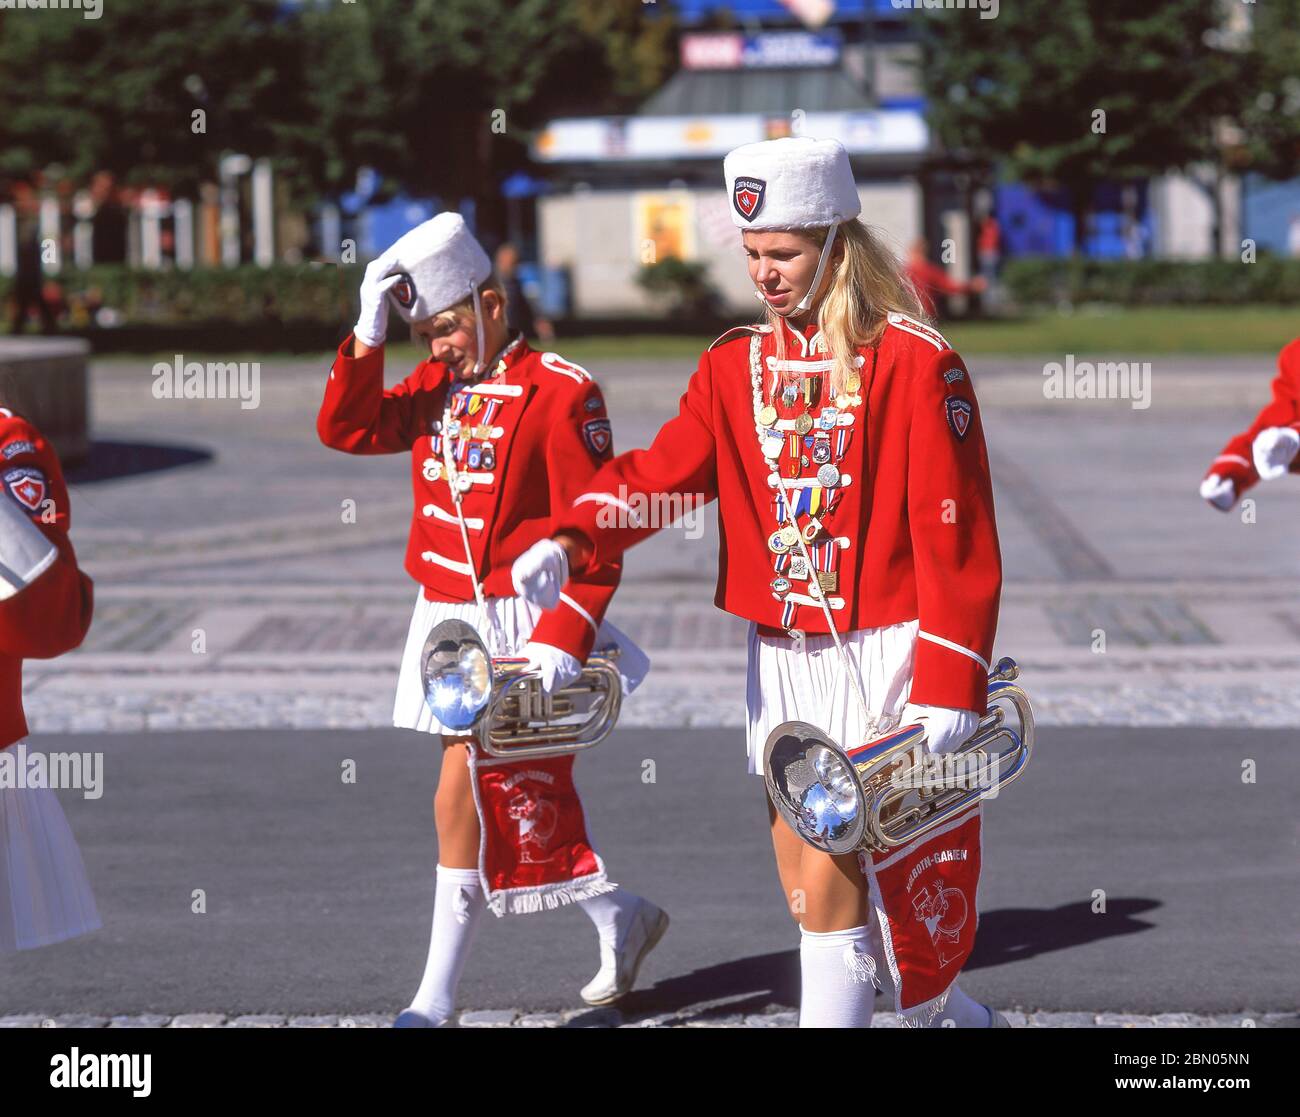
747 196
404 290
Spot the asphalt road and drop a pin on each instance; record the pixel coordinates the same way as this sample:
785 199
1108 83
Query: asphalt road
318 892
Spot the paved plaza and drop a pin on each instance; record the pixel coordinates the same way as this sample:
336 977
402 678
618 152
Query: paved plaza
247 636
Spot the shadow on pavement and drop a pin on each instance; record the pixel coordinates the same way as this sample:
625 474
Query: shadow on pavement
1012 934
108 461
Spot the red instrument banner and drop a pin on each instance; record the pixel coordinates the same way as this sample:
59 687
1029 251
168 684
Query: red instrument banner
925 897
534 853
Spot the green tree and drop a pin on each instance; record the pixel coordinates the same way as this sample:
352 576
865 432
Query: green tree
1079 92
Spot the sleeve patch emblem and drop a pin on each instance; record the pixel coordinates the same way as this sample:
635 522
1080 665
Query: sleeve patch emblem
953 374
27 486
959 413
16 448
596 433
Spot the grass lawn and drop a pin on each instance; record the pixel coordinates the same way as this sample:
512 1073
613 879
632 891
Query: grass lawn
1089 332
1103 330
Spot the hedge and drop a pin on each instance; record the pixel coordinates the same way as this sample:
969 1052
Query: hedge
1037 281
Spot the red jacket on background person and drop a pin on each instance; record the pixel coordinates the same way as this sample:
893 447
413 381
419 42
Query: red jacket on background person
1236 461
914 525
549 433
52 615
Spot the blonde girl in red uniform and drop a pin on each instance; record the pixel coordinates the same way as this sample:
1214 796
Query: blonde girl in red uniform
45 609
843 442
500 437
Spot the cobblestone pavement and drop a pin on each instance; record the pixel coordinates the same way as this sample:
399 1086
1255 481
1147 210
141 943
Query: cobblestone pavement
231 593
776 1017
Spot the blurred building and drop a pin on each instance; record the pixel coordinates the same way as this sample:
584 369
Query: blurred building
627 191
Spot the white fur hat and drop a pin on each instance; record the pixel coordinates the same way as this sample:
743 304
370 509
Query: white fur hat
441 263
792 183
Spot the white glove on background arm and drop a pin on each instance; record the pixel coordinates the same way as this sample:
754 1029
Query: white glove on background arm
540 573
945 728
1219 491
1274 449
558 669
372 323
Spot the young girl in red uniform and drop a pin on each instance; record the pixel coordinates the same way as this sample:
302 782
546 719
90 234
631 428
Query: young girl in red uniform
843 442
45 608
500 437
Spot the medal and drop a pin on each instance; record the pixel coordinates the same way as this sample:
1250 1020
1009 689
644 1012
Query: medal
821 452
780 586
432 469
475 456
768 416
828 418
803 424
828 580
811 530
464 482
453 428
772 446
798 567
489 458
853 383
828 476
789 535
777 544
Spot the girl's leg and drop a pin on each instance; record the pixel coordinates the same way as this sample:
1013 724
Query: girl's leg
827 897
458 902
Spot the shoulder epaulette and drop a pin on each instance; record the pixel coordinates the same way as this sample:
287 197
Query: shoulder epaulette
918 329
751 329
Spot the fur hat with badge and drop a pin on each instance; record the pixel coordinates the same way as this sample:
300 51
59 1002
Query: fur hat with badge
796 182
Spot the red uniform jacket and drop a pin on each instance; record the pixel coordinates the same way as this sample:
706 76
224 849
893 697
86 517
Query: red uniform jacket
51 616
909 529
1237 461
544 421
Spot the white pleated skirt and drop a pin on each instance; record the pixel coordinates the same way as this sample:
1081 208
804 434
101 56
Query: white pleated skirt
44 894
811 685
515 618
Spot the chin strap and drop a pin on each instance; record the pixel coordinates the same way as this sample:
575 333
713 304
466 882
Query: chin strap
478 330
806 302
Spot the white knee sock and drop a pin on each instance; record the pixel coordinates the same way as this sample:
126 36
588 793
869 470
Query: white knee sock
458 907
963 1010
611 912
837 969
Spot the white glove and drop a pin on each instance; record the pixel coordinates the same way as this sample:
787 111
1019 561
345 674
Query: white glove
540 573
558 669
945 728
1219 491
372 323
1274 449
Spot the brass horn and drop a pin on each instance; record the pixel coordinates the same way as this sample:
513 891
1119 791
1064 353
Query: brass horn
503 706
887 792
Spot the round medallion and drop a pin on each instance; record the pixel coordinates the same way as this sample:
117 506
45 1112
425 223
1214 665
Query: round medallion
803 424
777 544
780 586
821 451
789 535
828 476
853 383
767 416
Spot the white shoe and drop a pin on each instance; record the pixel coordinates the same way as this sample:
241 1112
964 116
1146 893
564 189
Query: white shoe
998 1020
618 968
410 1018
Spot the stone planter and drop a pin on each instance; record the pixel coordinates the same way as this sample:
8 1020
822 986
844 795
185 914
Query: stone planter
45 380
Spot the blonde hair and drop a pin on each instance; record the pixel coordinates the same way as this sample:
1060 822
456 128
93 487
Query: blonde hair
867 284
462 313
